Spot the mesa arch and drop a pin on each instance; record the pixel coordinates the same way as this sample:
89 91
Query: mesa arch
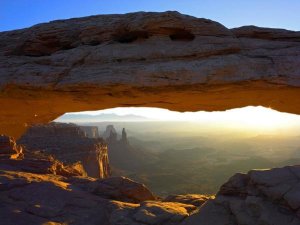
166 60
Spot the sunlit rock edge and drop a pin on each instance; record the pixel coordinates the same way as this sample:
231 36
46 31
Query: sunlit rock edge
32 193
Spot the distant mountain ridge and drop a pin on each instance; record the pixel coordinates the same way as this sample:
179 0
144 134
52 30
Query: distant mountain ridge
100 117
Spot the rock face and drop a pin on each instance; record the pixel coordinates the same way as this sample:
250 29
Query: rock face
48 197
9 148
33 193
259 197
122 155
124 139
163 60
62 200
36 189
90 131
190 199
40 196
14 158
69 143
110 132
121 189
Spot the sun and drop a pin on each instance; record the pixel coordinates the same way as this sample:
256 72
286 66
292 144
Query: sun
260 118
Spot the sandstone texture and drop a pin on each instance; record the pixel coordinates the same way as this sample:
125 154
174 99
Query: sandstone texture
90 131
166 60
13 157
33 193
260 197
70 144
9 148
39 196
191 199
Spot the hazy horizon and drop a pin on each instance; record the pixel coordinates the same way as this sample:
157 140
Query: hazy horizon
248 119
194 152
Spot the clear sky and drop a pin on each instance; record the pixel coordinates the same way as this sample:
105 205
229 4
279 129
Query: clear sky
16 14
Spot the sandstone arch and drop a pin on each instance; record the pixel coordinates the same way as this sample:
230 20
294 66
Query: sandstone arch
163 60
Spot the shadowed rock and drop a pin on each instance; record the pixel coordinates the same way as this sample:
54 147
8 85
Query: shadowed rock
191 199
31 194
9 148
268 197
70 144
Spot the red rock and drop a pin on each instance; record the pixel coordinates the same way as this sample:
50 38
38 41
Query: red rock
121 189
13 158
69 144
9 148
166 60
191 199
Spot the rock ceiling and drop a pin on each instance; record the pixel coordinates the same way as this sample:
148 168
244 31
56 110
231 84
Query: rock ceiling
166 60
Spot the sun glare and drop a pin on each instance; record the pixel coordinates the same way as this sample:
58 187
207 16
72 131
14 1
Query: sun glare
248 117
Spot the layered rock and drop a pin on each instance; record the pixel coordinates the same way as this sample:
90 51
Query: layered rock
9 148
122 155
152 213
14 158
37 189
190 199
55 199
166 60
90 131
124 139
69 143
268 197
258 197
30 198
117 188
110 131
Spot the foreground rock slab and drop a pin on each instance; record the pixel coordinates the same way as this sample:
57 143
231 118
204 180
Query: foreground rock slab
260 197
39 190
268 197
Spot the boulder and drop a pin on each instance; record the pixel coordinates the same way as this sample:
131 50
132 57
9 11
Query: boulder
191 199
13 158
268 197
121 189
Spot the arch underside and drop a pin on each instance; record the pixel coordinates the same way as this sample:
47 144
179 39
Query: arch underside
31 107
165 60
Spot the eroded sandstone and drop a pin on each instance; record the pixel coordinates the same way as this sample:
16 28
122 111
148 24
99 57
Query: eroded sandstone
70 144
268 197
163 60
166 60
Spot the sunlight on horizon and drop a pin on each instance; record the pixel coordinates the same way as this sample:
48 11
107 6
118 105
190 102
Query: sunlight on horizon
249 117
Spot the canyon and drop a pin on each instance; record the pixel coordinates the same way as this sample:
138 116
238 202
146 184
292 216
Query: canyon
166 60
65 195
71 144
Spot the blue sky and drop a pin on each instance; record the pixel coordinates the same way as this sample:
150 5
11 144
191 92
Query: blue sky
16 14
